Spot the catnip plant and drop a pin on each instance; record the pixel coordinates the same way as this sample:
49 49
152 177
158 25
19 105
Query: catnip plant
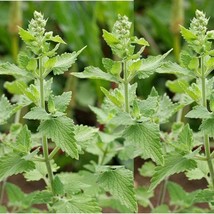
186 150
131 124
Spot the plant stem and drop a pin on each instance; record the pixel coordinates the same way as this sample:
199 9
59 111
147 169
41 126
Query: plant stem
44 138
2 191
56 149
126 87
206 137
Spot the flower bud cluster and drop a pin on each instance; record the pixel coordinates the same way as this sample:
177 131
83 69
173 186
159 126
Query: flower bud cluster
37 25
122 27
199 24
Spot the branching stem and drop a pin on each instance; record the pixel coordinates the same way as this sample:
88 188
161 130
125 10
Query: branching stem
44 138
206 137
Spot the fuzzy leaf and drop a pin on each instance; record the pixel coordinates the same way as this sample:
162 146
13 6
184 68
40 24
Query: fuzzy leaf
187 34
40 171
58 187
179 196
95 73
204 196
42 197
143 196
185 139
199 112
119 182
145 137
62 101
65 61
37 113
78 204
23 142
7 109
151 64
110 38
166 109
84 133
11 69
175 85
14 193
111 97
13 87
174 68
207 127
26 36
57 39
61 131
147 170
198 173
12 164
174 163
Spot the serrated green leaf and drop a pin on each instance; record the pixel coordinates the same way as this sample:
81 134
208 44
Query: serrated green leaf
32 65
209 65
187 34
62 101
145 137
185 139
37 113
78 204
147 169
65 61
110 38
14 194
12 164
26 36
207 127
174 68
134 66
14 87
177 194
7 109
175 85
174 163
198 173
194 64
58 187
57 39
42 197
199 112
140 41
61 131
143 196
23 141
166 109
84 133
111 98
49 64
150 64
40 171
11 69
163 208
122 118
119 182
204 196
192 91
91 72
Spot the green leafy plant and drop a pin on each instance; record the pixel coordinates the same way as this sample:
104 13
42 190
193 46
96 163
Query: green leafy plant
132 123
185 150
133 127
